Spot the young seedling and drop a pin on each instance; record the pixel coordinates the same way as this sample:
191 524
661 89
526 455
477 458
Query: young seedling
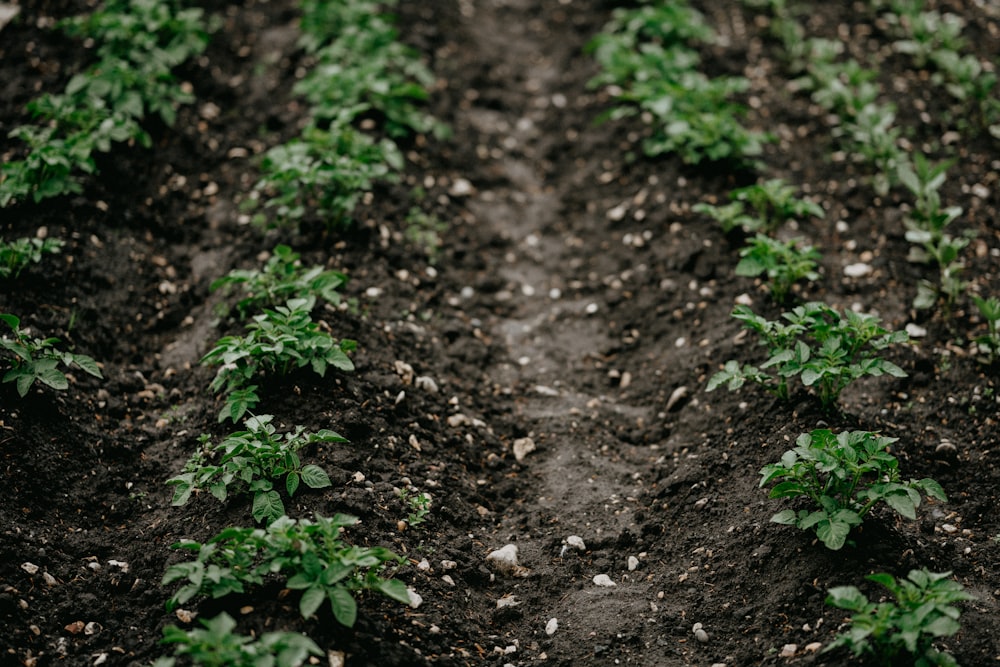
309 556
926 229
903 630
17 255
283 277
251 461
826 349
773 203
419 505
844 475
216 644
38 359
990 311
277 342
323 173
784 263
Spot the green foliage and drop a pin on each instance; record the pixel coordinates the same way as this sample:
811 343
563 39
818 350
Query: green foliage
990 310
216 645
277 342
784 263
322 174
901 631
283 277
773 202
826 349
425 230
419 505
250 462
363 78
645 59
138 43
926 228
310 556
17 255
38 359
844 475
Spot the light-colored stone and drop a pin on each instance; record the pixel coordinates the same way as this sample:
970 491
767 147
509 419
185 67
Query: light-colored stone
576 542
604 580
551 626
504 559
522 447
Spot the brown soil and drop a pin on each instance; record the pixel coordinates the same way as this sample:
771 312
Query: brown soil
543 317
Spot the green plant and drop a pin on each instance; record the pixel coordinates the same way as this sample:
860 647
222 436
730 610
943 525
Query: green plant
926 228
773 203
844 475
644 57
419 505
277 341
826 349
323 173
216 645
901 631
138 43
990 311
425 231
924 34
38 359
251 461
16 255
283 277
875 140
310 556
784 262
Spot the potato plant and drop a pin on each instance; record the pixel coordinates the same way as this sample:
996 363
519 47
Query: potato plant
283 277
783 262
17 255
643 53
772 203
826 349
215 644
277 341
251 461
901 630
309 556
38 359
844 475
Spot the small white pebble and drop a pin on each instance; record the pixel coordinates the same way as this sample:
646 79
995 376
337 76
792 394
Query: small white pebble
551 627
857 270
603 580
577 542
633 563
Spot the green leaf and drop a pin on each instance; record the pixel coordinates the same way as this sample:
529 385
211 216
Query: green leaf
291 483
312 598
267 505
786 517
315 477
394 589
88 365
833 533
902 503
345 609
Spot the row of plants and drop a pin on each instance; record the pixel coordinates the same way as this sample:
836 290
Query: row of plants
137 44
841 476
364 90
363 80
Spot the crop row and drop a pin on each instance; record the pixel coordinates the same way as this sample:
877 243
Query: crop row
363 84
649 68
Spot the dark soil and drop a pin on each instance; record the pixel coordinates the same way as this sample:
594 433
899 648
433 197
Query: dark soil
544 316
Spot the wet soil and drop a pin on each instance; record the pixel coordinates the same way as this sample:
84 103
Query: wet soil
576 304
